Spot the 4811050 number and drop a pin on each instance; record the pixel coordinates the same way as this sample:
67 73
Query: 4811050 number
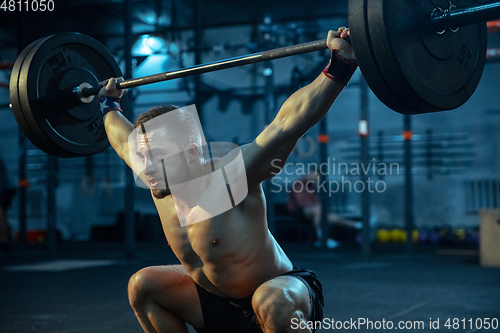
27 5
479 323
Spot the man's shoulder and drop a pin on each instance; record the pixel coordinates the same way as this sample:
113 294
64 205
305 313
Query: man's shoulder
233 162
221 157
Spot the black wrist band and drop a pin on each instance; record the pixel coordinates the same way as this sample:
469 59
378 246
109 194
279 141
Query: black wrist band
340 69
107 103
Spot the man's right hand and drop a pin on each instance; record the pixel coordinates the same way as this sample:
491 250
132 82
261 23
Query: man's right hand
337 41
109 96
109 88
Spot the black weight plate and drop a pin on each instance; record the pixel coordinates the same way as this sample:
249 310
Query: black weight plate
361 42
49 72
56 122
14 93
14 89
410 67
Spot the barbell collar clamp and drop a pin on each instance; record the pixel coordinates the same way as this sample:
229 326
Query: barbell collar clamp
455 17
81 93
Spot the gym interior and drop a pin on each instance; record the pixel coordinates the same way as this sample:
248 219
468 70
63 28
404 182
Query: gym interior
422 191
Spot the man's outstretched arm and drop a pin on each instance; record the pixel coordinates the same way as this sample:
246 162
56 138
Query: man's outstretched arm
300 112
118 128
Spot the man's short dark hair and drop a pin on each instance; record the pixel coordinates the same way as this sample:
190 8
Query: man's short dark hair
154 112
181 127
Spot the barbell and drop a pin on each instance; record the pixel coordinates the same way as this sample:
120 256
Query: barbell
417 56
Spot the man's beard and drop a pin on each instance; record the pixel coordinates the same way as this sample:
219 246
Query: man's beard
182 174
160 193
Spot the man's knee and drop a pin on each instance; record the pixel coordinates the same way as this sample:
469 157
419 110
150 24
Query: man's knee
278 301
148 283
139 287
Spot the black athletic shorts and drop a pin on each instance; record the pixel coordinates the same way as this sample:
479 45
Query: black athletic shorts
228 315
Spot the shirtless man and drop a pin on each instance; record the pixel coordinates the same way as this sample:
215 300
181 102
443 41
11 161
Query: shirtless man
234 276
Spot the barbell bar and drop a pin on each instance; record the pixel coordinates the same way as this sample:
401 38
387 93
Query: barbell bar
217 65
417 57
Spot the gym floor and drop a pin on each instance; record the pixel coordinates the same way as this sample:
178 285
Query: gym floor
85 288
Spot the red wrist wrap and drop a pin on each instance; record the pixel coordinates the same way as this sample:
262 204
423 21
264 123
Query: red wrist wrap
340 69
